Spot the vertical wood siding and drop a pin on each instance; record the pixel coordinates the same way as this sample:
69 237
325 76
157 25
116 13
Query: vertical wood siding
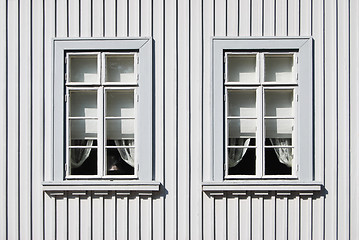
182 32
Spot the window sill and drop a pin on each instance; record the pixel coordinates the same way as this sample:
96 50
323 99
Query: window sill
123 188
262 189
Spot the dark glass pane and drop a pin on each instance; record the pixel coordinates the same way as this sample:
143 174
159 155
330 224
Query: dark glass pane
117 165
273 166
247 166
83 161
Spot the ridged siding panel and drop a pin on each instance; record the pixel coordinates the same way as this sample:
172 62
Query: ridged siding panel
182 32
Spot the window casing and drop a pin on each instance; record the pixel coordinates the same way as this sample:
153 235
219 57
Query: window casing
103 109
262 111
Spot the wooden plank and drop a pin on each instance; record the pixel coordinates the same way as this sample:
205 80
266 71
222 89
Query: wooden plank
220 218
85 21
293 17
220 28
269 217
281 18
146 218
257 218
232 218
122 18
74 217
97 216
49 217
134 18
208 217
61 218
98 19
110 18
306 17
110 216
85 217
74 18
244 18
61 18
306 222
318 218
232 18
281 218
245 218
134 218
269 18
146 18
257 18
13 121
293 224
122 217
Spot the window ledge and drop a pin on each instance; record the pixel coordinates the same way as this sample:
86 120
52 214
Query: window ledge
266 188
122 188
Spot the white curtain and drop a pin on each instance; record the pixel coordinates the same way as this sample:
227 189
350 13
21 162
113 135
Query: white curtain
235 155
79 155
127 154
284 155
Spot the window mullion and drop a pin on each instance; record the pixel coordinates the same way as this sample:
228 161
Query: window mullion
100 112
260 110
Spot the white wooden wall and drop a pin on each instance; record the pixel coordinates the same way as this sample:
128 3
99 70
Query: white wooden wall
182 32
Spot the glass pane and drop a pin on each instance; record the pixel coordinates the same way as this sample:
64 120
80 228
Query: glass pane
83 142
120 129
278 161
120 68
83 161
120 161
278 103
278 128
242 128
83 103
83 69
241 161
241 142
120 103
242 68
242 103
278 68
83 129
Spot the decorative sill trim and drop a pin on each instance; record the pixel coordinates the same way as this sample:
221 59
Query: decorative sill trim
123 189
221 189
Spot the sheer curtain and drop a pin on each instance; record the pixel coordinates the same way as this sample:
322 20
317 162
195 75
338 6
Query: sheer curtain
127 154
235 155
284 155
79 155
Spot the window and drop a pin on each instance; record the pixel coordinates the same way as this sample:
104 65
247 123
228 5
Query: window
262 109
103 109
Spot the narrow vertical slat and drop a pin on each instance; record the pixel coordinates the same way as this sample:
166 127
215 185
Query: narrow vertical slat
257 217
269 218
343 121
61 218
74 18
146 18
171 119
61 18
134 218
13 120
74 217
306 17
331 126
183 121
196 118
306 218
134 18
232 218
110 18
208 217
281 17
232 18
122 18
293 17
257 18
245 217
98 18
37 118
281 215
110 217
220 218
220 18
269 18
85 217
293 218
245 18
85 15
146 218
25 82
122 217
354 113
49 217
3 118
318 218
158 36
97 216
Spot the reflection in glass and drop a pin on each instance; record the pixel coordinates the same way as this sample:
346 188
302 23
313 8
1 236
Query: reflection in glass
120 68
278 103
278 68
242 68
242 128
120 103
278 128
83 103
83 129
83 69
120 129
242 103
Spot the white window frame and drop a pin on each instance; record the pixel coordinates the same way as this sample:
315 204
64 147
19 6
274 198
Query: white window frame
302 170
142 47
